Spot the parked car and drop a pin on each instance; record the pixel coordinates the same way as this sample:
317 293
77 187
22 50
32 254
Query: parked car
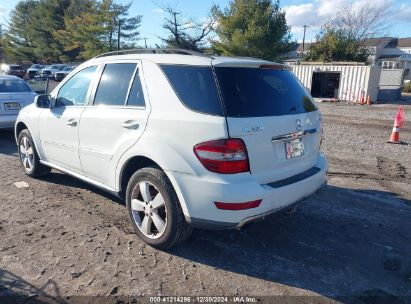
186 140
15 70
50 70
15 94
59 76
34 70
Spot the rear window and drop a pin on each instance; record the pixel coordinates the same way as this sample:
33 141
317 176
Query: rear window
196 87
252 92
9 86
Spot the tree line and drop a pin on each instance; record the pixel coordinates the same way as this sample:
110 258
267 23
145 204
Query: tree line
76 30
73 30
67 30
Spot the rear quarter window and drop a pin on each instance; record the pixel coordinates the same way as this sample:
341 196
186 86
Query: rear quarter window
256 92
196 87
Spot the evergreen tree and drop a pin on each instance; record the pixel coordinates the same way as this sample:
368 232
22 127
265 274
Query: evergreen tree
95 29
1 43
18 42
68 30
121 23
337 45
47 18
255 28
84 36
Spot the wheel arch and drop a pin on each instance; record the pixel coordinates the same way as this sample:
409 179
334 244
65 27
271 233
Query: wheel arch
20 126
137 162
130 166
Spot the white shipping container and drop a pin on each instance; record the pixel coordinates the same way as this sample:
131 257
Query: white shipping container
354 81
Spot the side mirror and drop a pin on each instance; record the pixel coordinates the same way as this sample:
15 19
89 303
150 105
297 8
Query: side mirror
43 101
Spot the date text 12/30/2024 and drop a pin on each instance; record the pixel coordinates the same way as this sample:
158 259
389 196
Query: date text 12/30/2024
203 299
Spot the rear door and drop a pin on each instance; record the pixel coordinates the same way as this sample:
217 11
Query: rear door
271 111
114 121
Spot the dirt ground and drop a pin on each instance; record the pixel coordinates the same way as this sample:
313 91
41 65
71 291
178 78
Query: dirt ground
61 238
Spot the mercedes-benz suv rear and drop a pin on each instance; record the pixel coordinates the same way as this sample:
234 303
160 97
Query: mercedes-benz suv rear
187 140
271 156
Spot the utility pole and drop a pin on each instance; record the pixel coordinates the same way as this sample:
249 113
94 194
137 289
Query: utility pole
118 35
305 28
145 41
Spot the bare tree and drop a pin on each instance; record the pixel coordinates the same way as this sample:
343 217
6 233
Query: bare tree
361 20
186 33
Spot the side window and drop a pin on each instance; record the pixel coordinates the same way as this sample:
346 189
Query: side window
136 97
74 91
114 84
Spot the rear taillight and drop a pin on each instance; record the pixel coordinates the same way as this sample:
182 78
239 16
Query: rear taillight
224 156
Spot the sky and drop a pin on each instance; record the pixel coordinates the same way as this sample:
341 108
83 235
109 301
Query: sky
298 13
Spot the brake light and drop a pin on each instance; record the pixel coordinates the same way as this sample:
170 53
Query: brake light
238 206
224 156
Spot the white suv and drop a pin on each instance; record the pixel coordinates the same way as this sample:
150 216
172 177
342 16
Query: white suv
187 140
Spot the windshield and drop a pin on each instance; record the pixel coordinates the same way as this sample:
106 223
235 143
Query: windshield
67 69
8 86
14 67
36 66
55 67
253 92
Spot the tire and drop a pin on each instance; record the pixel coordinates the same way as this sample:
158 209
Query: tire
175 228
26 149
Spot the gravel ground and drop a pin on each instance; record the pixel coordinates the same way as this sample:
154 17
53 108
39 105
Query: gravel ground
61 238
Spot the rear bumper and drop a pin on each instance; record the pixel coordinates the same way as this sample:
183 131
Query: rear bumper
7 121
199 196
213 225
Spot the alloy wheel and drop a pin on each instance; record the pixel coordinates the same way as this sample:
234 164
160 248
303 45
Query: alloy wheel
149 210
26 154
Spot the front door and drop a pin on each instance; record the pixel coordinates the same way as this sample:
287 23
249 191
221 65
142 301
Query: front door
59 125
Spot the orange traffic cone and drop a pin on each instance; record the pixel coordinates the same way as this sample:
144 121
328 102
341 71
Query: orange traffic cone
398 124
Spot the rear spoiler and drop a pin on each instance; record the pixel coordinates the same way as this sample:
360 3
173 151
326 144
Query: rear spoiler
278 67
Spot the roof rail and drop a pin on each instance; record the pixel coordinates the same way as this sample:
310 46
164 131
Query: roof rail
152 51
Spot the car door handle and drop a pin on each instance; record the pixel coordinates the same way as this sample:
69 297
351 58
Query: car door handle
72 122
131 124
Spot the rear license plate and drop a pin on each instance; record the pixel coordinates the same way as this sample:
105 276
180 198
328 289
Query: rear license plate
11 106
294 148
